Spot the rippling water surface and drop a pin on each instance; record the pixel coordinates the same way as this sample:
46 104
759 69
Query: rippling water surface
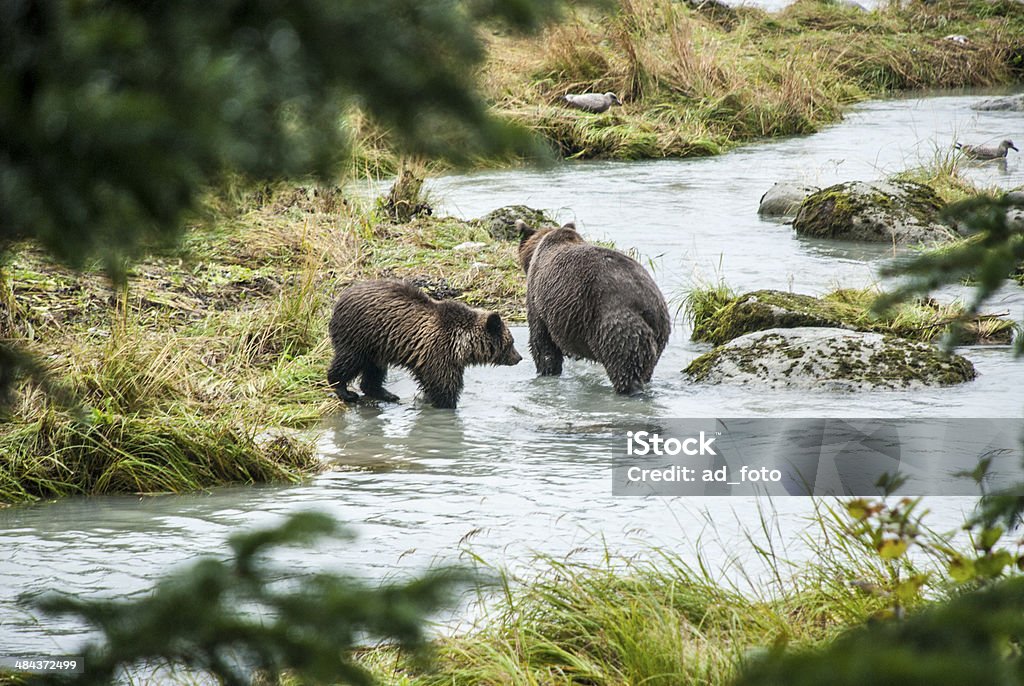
522 465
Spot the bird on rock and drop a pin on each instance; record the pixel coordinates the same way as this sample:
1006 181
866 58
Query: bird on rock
987 152
592 102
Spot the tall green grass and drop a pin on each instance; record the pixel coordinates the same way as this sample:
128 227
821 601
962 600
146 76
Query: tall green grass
662 617
199 371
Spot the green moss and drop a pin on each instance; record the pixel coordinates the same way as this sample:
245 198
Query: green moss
699 368
719 316
827 212
900 363
759 310
895 364
920 200
842 210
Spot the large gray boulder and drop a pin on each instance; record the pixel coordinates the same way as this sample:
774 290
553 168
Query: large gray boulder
784 199
1010 103
819 358
898 212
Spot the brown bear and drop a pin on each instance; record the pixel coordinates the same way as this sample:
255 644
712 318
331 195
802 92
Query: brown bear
591 303
381 323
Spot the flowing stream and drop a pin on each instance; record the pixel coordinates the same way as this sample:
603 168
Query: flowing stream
522 466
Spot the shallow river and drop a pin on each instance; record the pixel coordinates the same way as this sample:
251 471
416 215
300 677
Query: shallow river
522 465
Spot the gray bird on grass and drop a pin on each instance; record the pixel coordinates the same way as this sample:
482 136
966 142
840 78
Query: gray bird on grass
592 102
987 152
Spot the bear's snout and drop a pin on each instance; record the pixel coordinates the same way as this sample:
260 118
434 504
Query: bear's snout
512 358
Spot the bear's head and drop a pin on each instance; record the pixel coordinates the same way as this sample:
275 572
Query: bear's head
530 239
490 341
475 336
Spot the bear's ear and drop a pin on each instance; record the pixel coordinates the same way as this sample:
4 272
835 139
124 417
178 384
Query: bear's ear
524 231
493 324
569 225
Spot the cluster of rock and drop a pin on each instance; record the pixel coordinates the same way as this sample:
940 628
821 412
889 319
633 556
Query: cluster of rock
783 340
777 339
774 339
889 211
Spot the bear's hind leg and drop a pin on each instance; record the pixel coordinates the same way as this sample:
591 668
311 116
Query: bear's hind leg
342 370
628 353
547 356
372 383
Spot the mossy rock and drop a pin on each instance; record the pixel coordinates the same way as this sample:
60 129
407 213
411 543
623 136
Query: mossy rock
760 310
819 358
924 319
501 223
899 212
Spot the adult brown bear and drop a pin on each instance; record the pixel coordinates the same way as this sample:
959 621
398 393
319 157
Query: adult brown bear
380 323
591 303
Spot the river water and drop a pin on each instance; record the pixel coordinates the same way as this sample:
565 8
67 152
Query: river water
522 466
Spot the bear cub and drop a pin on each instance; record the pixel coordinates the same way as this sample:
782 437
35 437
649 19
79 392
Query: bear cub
591 303
380 323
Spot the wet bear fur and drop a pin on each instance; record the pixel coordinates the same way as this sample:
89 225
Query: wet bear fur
591 303
377 324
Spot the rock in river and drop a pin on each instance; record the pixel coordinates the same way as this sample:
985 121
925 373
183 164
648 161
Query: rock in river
760 310
1011 103
900 212
730 317
784 199
501 223
819 358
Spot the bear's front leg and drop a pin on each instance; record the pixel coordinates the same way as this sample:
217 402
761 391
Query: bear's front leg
546 355
442 387
372 384
342 370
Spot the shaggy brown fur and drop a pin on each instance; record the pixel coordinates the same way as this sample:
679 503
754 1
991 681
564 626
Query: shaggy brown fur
381 323
591 303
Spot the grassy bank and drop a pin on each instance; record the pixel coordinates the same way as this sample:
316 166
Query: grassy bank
698 82
656 619
193 374
944 175
719 314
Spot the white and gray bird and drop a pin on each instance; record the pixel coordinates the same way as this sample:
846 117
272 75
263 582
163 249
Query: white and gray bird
987 152
592 102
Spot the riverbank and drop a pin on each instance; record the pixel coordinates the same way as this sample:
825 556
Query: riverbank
197 371
654 618
200 370
655 615
702 81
